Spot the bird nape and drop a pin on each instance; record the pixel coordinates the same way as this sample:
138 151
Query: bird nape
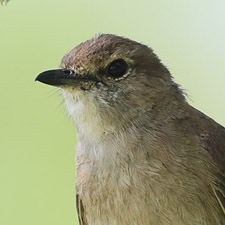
144 155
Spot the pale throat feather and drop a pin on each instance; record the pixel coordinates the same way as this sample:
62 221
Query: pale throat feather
84 111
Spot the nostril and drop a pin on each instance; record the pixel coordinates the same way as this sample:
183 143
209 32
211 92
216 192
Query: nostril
68 72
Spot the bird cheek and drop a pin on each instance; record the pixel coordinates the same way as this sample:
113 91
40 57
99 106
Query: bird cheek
86 86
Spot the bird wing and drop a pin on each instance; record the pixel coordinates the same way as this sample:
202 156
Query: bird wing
219 191
215 146
80 211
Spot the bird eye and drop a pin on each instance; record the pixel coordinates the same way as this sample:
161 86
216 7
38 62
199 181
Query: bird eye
117 68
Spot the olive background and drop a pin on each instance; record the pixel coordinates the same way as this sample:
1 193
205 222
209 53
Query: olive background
37 139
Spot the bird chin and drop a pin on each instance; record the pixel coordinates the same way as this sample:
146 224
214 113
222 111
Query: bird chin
70 89
73 98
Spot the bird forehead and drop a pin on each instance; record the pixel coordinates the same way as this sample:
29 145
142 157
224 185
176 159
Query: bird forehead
97 53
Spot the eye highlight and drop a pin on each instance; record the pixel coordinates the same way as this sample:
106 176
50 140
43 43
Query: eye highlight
117 68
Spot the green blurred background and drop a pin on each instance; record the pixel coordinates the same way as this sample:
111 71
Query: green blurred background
37 139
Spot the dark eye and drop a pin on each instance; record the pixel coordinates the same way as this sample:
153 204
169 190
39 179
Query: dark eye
117 68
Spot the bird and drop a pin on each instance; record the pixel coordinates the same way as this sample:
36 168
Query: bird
144 156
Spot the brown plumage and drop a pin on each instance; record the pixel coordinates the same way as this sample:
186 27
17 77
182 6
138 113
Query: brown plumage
144 156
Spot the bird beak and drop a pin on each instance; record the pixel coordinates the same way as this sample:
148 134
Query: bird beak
63 77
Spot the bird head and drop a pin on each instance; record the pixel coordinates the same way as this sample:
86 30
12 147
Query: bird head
112 80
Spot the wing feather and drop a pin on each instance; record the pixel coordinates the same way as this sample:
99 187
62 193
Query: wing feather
215 146
80 211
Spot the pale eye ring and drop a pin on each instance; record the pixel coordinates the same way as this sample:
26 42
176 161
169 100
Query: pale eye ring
117 68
